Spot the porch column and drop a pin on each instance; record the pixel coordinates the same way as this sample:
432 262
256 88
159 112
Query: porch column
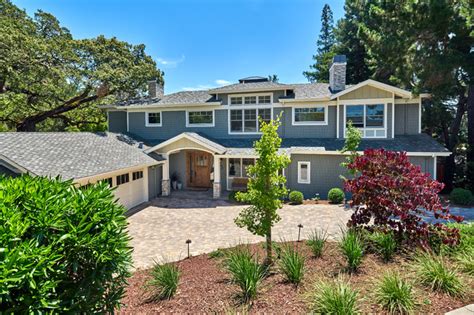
217 178
165 178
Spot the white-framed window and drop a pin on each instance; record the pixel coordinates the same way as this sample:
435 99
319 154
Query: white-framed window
310 115
153 119
200 118
370 119
252 99
304 172
237 168
247 120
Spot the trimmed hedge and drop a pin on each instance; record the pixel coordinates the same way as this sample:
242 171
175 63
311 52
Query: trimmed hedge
63 249
296 197
461 196
336 195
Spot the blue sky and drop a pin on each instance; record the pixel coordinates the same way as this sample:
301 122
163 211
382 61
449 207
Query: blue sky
206 43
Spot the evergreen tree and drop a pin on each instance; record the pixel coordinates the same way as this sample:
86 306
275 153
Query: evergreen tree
319 71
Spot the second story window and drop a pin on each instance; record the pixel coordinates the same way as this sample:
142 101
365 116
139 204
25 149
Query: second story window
153 119
200 118
247 100
309 115
370 119
247 120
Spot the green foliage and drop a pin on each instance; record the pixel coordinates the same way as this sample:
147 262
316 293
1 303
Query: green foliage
291 264
316 241
395 294
351 145
245 270
63 249
465 260
433 271
352 248
164 280
384 243
233 196
461 196
320 69
296 197
333 298
218 253
266 186
336 195
51 81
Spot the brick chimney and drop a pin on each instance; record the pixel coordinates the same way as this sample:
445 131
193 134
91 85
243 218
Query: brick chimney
155 89
337 73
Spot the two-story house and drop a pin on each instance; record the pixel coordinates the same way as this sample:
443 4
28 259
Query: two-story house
205 137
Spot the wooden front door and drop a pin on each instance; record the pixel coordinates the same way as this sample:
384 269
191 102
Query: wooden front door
198 169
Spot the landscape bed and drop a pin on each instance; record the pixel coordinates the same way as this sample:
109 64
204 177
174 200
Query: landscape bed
205 286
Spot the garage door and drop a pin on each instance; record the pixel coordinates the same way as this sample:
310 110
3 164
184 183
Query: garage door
133 191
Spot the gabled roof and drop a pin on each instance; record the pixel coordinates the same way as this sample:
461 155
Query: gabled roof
376 84
179 98
72 154
193 137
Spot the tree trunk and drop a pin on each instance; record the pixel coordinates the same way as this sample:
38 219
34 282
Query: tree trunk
452 142
269 259
470 138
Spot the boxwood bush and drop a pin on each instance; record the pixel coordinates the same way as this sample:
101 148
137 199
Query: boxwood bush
336 195
296 197
461 196
62 249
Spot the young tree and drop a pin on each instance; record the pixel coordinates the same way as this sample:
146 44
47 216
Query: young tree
266 186
51 81
320 69
396 194
273 78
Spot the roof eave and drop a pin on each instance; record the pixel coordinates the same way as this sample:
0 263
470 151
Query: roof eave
151 106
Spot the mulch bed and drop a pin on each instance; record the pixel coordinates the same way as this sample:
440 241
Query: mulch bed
205 287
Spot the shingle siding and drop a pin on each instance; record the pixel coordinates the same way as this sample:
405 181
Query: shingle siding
407 119
117 121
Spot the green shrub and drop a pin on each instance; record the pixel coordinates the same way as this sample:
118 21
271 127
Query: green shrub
296 197
336 195
233 196
245 270
465 260
63 249
384 243
395 294
353 249
164 280
291 264
218 253
461 196
317 240
433 272
333 298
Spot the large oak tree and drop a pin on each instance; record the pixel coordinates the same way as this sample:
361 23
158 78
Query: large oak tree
51 81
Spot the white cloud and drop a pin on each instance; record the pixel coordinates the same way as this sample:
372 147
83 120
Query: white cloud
222 82
170 63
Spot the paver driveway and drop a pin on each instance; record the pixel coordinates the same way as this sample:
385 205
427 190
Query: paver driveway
160 230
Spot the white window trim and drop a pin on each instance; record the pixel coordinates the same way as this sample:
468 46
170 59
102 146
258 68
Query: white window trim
229 178
189 125
363 130
309 123
250 94
300 180
153 125
242 108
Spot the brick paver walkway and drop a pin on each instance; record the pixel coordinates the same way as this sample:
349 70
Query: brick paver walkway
160 230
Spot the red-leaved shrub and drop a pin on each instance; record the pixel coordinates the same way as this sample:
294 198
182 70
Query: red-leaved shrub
396 194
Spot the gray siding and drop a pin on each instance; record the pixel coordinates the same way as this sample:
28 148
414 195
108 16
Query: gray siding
117 121
425 162
325 171
154 181
389 120
407 119
287 130
178 165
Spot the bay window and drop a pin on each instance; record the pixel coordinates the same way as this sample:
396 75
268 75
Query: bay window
369 118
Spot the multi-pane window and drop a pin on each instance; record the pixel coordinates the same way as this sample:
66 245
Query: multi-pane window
236 100
251 100
108 181
309 115
153 119
247 120
238 167
122 179
137 175
304 172
369 118
202 118
264 99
